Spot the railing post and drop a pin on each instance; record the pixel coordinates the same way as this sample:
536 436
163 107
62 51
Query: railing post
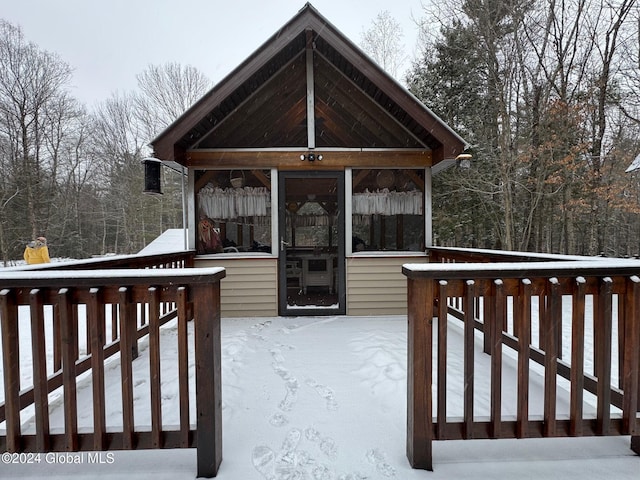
39 358
496 358
420 298
127 342
523 322
469 357
549 326
206 308
631 364
11 368
96 328
577 358
441 388
602 353
69 347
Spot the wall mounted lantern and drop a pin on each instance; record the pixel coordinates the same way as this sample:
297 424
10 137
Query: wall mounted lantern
464 160
152 183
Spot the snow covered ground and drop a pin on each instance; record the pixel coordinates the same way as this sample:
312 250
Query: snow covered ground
324 398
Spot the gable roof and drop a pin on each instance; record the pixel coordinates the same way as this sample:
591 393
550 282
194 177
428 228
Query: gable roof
263 102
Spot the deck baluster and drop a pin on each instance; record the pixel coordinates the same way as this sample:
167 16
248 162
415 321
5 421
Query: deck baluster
11 368
39 356
69 345
577 358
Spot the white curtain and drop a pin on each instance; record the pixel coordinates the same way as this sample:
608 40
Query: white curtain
230 203
385 202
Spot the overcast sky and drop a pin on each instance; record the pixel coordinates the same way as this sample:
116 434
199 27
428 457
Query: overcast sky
109 42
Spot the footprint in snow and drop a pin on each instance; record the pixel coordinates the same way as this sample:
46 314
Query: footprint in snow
293 461
353 476
329 448
327 445
291 385
276 354
321 472
262 325
263 460
324 392
278 420
287 455
312 434
377 458
287 464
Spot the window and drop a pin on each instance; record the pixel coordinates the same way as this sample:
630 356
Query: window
388 210
234 211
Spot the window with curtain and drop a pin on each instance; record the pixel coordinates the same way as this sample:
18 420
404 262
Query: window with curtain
234 211
388 209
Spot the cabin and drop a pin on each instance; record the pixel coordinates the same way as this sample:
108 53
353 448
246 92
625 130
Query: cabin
308 177
308 183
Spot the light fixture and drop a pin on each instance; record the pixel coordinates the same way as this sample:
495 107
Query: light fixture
312 157
464 160
152 184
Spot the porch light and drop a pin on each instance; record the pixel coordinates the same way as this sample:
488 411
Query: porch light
152 184
312 157
464 160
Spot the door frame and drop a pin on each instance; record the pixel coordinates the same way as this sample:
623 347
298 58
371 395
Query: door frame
283 306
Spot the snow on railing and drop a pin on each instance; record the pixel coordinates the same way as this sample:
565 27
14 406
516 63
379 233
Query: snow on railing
58 329
572 323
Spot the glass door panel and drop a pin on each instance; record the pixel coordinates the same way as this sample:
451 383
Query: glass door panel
311 243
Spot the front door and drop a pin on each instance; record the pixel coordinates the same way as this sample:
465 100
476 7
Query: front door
311 237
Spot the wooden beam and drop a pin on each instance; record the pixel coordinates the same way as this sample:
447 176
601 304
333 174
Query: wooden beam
415 178
204 179
262 177
359 177
290 159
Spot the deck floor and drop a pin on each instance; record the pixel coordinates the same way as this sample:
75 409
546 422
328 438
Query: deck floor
328 394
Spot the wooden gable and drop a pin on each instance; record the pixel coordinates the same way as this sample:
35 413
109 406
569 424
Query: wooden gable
265 103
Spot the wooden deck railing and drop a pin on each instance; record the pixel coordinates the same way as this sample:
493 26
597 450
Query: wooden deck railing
508 302
137 301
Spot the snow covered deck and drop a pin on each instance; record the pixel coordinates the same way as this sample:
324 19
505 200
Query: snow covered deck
325 398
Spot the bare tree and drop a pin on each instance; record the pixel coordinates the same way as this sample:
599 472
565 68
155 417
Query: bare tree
609 30
119 141
166 92
383 42
32 81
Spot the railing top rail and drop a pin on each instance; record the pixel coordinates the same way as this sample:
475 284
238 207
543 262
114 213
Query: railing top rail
105 261
512 255
91 278
613 267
